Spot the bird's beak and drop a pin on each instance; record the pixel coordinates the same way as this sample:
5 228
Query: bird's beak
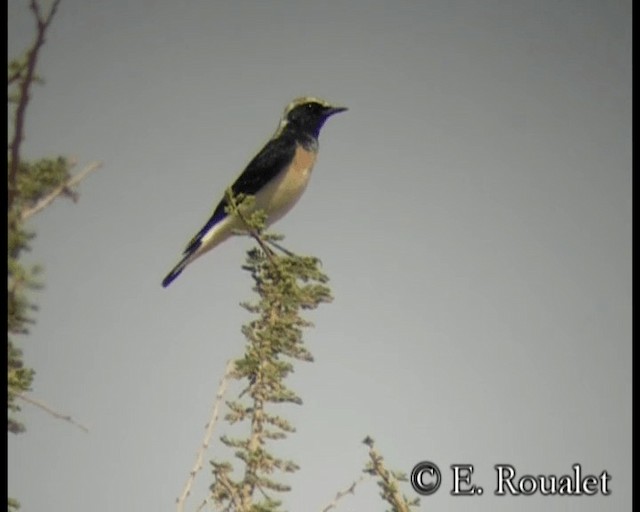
335 110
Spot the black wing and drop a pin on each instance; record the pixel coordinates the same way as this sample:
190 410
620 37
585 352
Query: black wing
275 156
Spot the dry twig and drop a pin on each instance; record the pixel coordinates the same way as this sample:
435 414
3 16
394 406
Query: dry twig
51 411
65 188
207 436
341 494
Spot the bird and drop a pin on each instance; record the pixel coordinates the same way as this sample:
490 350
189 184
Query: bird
276 177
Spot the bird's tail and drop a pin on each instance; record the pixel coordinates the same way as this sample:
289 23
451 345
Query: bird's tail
176 271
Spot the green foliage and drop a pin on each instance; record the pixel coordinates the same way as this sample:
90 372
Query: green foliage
19 379
17 74
36 180
33 182
388 481
285 286
14 505
28 183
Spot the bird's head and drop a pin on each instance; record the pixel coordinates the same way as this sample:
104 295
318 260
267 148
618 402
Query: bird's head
308 114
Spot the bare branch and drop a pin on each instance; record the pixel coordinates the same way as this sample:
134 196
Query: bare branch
65 188
51 411
341 494
43 22
23 98
207 436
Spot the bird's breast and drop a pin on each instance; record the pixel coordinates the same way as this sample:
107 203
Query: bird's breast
281 194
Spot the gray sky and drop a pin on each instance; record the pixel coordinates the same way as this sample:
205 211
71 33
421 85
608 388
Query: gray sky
472 209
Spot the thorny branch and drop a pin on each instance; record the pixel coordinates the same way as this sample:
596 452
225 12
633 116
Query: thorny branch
42 24
207 437
341 494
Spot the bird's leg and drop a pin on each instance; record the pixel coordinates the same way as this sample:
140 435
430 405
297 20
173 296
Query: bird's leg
280 248
250 227
270 254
